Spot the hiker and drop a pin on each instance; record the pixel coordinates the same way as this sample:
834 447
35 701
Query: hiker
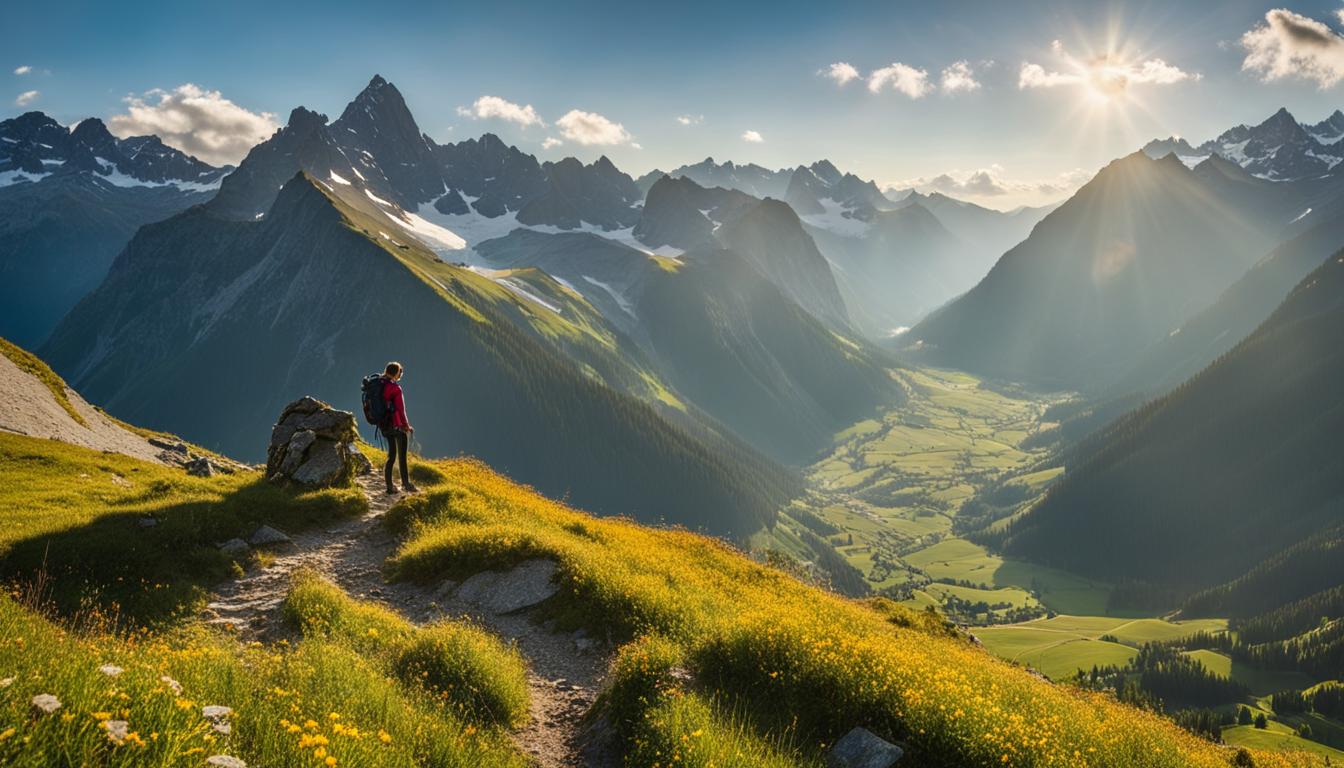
396 428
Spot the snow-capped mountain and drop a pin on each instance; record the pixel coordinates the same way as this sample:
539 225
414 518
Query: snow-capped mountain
750 178
70 199
1278 149
34 146
450 197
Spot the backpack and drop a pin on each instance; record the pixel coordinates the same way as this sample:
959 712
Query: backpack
376 410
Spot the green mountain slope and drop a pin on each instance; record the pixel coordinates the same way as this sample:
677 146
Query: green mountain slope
208 327
1197 487
1144 245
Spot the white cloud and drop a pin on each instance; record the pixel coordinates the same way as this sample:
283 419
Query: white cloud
900 77
753 137
690 119
842 72
1292 45
199 122
590 128
551 142
488 107
26 98
23 70
991 182
959 77
1107 75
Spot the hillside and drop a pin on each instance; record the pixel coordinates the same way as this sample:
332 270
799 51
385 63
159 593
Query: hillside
725 339
713 659
170 340
1236 313
1235 465
1144 245
39 404
70 199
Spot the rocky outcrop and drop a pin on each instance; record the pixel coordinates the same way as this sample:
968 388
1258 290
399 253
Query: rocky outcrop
861 748
313 445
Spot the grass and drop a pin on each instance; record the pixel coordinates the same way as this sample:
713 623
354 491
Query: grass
769 662
74 515
457 663
1279 737
318 702
1060 646
33 365
1261 682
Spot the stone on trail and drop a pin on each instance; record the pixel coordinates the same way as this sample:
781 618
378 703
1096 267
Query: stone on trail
233 548
266 536
861 748
527 584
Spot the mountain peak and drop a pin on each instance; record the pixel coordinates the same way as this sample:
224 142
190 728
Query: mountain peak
304 119
376 83
90 131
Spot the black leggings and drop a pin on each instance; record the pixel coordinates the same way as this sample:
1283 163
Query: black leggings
396 447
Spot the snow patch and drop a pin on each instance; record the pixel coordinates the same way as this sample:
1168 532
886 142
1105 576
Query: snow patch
1300 216
338 179
833 219
14 177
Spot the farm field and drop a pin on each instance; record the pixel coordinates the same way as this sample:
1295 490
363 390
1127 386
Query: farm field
1060 646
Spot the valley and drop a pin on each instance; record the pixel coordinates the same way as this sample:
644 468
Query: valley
831 454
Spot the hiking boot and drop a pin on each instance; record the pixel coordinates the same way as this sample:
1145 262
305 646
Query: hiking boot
412 488
392 490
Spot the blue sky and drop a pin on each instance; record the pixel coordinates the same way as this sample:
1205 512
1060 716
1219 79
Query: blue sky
732 68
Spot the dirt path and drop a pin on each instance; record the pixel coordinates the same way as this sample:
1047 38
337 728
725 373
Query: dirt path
563 680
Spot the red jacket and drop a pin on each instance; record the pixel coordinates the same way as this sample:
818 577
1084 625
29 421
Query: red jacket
396 404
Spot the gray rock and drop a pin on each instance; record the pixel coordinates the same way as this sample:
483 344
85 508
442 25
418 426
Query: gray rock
233 548
266 536
473 590
201 466
324 465
584 644
173 446
304 405
295 450
861 748
334 425
361 462
311 445
527 584
146 522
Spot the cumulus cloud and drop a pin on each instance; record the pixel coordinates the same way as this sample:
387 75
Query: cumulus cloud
959 77
26 98
591 129
842 72
991 182
753 137
902 78
1107 75
690 119
199 122
23 70
551 143
1290 45
494 107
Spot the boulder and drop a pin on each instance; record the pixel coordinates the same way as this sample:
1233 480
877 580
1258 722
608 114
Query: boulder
266 536
861 748
233 548
201 466
527 584
312 444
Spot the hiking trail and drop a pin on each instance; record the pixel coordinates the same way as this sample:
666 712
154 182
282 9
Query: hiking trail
563 681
